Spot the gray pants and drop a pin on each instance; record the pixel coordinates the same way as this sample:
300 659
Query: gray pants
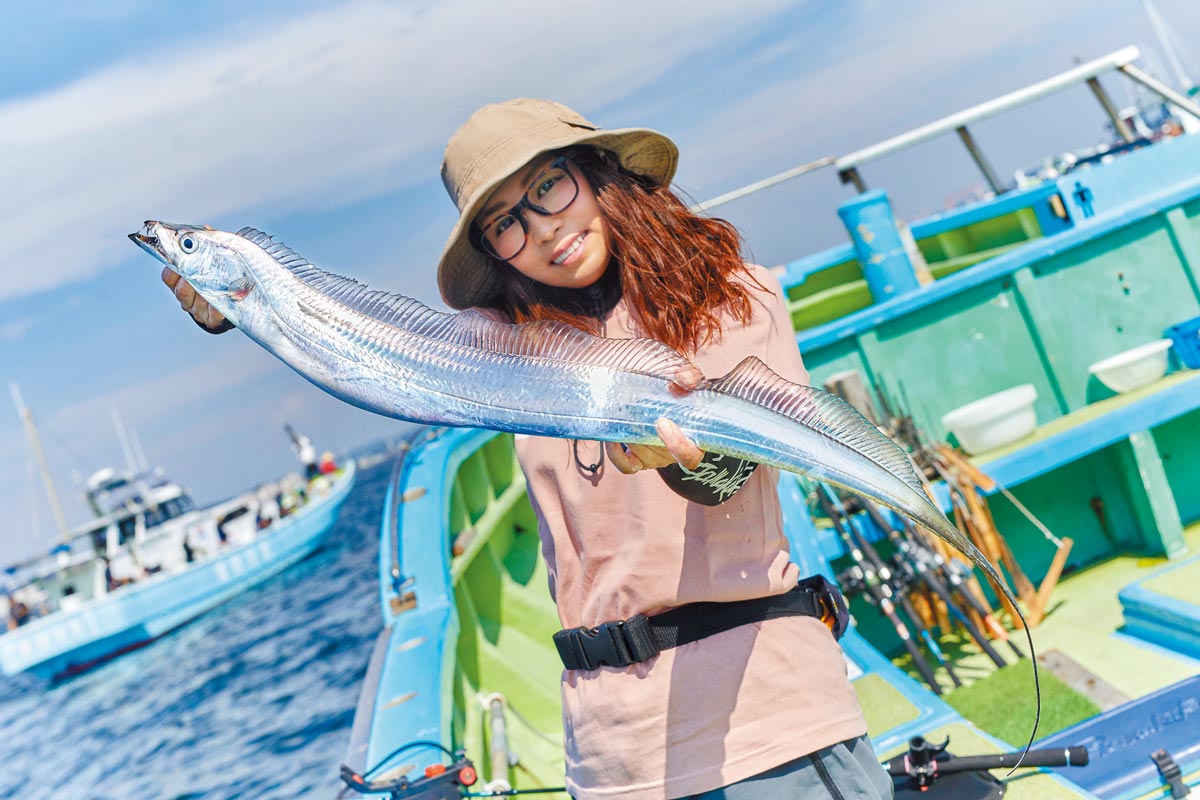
849 770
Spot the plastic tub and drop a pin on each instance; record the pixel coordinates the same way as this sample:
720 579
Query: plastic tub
995 420
1134 368
1186 339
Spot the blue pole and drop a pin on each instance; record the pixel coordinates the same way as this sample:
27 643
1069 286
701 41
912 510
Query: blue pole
885 264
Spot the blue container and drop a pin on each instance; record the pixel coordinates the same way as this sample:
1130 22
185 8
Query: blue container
878 245
1186 339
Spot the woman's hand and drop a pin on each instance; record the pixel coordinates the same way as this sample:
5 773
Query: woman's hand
191 302
678 448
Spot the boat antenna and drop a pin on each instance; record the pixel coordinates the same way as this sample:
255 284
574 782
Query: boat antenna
123 437
138 452
35 444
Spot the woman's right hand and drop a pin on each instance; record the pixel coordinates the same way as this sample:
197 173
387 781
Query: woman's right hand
191 302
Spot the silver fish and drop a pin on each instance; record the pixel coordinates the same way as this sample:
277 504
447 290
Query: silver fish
394 356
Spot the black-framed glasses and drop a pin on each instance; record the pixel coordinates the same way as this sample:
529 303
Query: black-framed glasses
551 192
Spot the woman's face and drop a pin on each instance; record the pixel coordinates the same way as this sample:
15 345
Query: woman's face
568 249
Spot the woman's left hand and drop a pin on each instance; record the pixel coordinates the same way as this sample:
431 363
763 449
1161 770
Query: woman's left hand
678 449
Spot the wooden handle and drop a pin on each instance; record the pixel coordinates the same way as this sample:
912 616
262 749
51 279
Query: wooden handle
1037 609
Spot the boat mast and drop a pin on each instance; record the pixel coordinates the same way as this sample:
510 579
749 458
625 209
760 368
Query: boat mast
1170 47
36 443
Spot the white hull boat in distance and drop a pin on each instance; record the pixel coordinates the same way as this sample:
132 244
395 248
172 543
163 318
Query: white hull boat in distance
76 636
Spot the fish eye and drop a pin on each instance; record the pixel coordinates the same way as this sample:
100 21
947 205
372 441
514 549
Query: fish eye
188 243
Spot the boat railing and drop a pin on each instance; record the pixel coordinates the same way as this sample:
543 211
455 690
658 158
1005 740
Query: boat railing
830 285
1088 73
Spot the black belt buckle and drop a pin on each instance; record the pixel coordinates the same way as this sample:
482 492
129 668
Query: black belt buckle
834 612
615 644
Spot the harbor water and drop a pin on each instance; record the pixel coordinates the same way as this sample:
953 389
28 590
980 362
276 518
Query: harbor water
254 699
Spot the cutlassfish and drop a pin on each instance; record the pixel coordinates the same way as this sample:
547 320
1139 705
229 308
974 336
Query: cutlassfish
395 356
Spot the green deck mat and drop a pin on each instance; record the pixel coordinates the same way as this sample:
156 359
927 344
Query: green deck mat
1004 703
883 705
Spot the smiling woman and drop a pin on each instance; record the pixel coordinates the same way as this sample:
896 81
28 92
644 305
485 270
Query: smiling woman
561 220
670 529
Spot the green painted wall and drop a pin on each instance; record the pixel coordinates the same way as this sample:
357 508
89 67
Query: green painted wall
1104 297
1179 447
844 355
951 353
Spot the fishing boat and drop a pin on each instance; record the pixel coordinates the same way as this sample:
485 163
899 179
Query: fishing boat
151 561
1038 315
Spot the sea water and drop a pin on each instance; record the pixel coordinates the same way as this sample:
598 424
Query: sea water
253 699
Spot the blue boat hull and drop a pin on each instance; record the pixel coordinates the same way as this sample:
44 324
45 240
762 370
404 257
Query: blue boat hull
69 642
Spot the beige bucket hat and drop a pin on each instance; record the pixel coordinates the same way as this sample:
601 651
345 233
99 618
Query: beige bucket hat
497 141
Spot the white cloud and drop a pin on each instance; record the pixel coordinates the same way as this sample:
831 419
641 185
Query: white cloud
316 112
895 79
15 330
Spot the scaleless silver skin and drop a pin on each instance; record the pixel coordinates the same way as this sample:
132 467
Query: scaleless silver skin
397 357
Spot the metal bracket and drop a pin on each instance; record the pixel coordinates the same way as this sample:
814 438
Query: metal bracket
1171 773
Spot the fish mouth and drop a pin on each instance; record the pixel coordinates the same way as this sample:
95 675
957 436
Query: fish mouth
147 239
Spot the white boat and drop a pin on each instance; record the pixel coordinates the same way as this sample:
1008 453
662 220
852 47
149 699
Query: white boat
152 561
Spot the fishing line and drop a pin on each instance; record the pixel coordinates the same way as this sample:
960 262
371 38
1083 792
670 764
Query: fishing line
409 746
1029 515
84 462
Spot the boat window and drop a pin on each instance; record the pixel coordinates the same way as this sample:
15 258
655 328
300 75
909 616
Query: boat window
126 528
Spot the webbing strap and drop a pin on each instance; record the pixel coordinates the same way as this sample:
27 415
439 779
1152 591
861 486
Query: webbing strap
640 638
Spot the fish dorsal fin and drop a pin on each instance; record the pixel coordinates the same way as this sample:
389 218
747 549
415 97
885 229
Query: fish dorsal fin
386 307
559 341
543 339
824 412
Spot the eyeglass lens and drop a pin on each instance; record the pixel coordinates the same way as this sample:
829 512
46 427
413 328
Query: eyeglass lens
550 193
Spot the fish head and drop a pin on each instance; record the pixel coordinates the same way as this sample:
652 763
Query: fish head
208 259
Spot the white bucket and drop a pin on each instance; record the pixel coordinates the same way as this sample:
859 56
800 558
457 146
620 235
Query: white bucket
995 420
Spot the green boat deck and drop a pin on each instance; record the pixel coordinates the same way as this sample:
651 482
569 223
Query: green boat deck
1081 637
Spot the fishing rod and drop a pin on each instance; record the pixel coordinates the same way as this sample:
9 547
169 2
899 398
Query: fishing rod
925 762
989 619
961 579
910 554
893 582
958 576
877 591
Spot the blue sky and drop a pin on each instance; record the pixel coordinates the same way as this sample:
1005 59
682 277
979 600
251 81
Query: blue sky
323 123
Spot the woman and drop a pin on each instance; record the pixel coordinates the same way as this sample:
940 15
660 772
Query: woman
561 220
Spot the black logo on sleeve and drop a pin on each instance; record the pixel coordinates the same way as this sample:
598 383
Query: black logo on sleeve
714 480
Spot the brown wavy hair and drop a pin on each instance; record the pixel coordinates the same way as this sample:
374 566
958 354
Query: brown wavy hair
673 267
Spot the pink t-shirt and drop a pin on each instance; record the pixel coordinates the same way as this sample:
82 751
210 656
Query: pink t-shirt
726 707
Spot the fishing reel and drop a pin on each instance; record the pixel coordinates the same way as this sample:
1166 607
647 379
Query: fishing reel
440 782
852 581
